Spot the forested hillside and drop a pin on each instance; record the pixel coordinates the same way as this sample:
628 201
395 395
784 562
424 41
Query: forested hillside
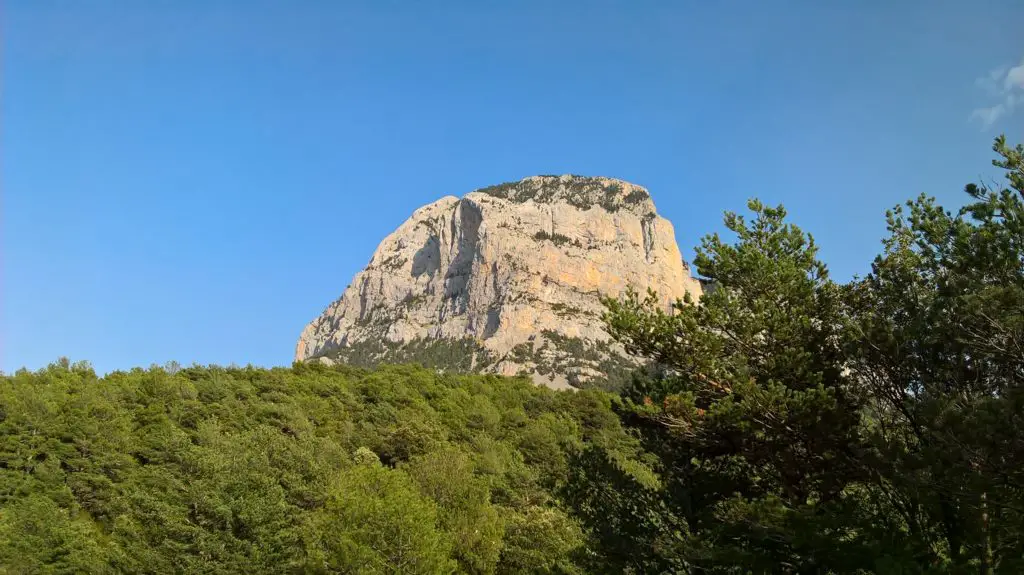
788 424
311 469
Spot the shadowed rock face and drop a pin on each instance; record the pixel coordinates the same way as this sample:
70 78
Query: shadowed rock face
511 276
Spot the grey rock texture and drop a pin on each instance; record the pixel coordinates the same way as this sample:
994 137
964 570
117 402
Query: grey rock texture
506 280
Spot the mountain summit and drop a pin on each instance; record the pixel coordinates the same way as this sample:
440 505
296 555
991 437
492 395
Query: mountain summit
507 280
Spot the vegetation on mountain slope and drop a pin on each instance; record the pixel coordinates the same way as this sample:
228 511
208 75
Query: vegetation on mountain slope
790 424
304 469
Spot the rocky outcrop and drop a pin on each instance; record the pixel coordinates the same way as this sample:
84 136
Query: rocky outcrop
506 279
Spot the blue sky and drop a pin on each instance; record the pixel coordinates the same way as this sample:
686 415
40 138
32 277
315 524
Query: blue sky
196 180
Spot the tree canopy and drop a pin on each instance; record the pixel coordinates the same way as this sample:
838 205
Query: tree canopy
305 469
804 426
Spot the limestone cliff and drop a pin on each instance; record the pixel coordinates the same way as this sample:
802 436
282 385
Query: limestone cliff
506 279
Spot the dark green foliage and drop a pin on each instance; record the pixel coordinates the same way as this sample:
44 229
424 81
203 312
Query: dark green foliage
394 262
574 353
751 419
564 310
502 191
556 238
939 346
556 354
800 426
624 512
579 191
457 355
570 356
636 196
413 301
308 469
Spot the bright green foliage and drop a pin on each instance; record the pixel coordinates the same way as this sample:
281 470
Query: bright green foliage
36 535
448 477
307 469
375 521
541 540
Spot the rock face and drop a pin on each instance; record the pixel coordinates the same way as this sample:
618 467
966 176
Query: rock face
507 280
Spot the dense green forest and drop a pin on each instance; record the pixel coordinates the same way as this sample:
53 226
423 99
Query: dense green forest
786 424
303 469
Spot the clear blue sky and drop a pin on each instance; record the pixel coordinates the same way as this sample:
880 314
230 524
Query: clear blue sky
196 180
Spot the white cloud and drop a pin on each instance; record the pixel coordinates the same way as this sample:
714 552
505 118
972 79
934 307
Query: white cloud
988 116
991 83
1005 84
1015 78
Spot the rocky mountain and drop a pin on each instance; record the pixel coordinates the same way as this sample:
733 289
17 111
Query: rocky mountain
507 279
